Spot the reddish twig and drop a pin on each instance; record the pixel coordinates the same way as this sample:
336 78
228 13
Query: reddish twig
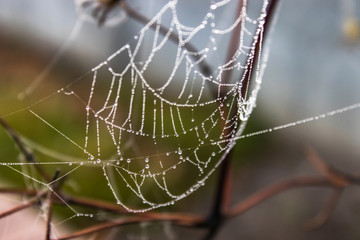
275 189
29 156
204 67
223 193
324 169
177 219
49 215
16 191
19 208
241 207
50 203
22 206
325 213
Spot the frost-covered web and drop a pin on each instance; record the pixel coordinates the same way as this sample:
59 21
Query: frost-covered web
156 113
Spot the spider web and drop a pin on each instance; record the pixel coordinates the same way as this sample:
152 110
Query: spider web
162 112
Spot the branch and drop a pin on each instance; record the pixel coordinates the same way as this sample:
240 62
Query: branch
275 189
194 221
325 213
25 192
29 156
177 219
204 67
22 206
50 203
324 169
223 192
19 208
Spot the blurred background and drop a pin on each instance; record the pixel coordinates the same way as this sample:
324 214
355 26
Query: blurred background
313 68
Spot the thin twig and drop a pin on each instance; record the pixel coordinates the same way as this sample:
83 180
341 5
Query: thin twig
50 204
93 203
22 206
223 191
16 191
49 215
325 213
204 67
325 169
275 189
179 220
19 208
29 156
195 221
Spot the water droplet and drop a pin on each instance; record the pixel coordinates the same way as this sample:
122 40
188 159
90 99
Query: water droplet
128 160
179 151
98 161
147 166
147 159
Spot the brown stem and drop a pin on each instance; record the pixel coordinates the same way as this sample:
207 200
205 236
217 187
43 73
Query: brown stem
223 190
18 191
234 44
19 207
204 67
101 227
180 220
223 193
325 169
244 205
275 189
49 215
323 216
91 203
29 156
50 204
